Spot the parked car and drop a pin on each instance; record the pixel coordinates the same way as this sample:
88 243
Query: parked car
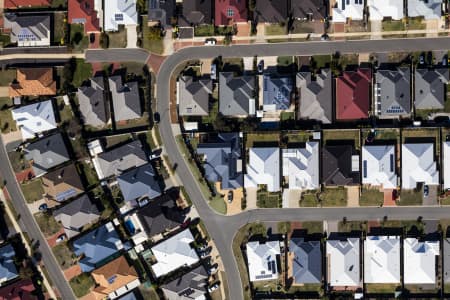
212 270
61 238
325 37
203 247
261 67
92 38
426 190
43 207
444 60
230 196
210 42
213 287
421 59
156 117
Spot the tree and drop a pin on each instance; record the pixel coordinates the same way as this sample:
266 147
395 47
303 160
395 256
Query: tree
104 40
284 227
154 33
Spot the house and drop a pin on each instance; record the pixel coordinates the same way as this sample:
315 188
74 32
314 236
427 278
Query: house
8 269
306 257
96 246
77 214
420 256
309 10
262 260
353 95
125 98
33 82
446 164
34 118
114 279
392 93
19 290
119 12
343 262
161 12
194 95
62 184
139 184
378 166
120 159
446 257
263 168
430 88
315 96
28 30
228 12
84 12
174 253
91 98
13 4
343 10
380 9
418 165
301 166
192 285
236 95
428 9
222 160
195 12
382 259
271 11
341 167
46 153
277 92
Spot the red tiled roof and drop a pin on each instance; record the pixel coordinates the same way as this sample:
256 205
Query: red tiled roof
20 290
19 3
238 7
84 9
352 94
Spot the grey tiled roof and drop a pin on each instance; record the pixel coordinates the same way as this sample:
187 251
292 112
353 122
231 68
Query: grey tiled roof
191 285
234 94
140 182
36 27
338 167
125 98
194 96
430 89
161 10
271 11
446 255
394 89
195 12
307 260
8 269
277 90
302 9
92 103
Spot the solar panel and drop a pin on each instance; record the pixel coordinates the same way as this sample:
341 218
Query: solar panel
111 279
65 195
365 168
118 17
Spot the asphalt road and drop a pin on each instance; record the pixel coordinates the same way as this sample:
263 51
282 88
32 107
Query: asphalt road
29 225
119 54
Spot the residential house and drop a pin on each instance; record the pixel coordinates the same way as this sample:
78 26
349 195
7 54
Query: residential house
428 9
392 93
222 160
421 257
174 253
446 257
34 118
277 91
114 279
77 214
8 269
120 159
315 96
446 164
353 95
380 9
382 259
139 184
84 12
192 285
262 260
343 262
309 10
195 12
125 98
194 95
379 166
19 290
271 11
46 153
161 12
418 165
13 4
33 82
263 168
236 95
430 88
344 10
62 184
301 166
306 257
341 167
28 30
228 12
93 108
119 12
96 246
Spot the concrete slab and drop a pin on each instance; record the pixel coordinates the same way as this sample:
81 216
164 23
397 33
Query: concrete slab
131 36
291 198
248 63
352 196
34 207
432 198
251 198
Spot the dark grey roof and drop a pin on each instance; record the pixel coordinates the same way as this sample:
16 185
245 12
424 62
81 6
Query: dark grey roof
307 260
35 27
92 104
46 153
195 12
271 11
194 96
8 270
430 90
338 167
277 90
235 93
191 285
446 255
125 98
161 11
222 160
306 9
394 92
140 182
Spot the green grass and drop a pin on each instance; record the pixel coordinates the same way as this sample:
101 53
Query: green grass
342 135
371 197
275 29
285 60
204 30
59 3
313 226
218 204
78 39
429 133
5 40
302 27
211 118
308 200
393 25
252 138
117 139
410 197
7 123
382 134
381 288
63 255
268 200
348 226
320 61
287 115
65 111
83 71
154 46
82 284
297 137
48 225
334 196
32 190
118 39
59 27
423 113
89 173
18 161
7 76
416 24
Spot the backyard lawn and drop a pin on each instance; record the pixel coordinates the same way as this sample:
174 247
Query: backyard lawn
83 71
48 225
371 197
334 196
59 27
63 255
6 121
117 139
32 190
82 284
65 111
410 197
342 135
297 137
89 174
261 138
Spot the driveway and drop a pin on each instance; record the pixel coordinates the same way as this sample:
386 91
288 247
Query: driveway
291 198
375 28
34 207
432 198
131 36
248 63
352 196
251 197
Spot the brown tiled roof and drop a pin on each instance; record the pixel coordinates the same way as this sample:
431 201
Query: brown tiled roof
33 82
62 180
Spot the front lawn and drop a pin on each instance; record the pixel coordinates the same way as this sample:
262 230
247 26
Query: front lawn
118 39
313 227
371 197
266 199
18 161
349 226
78 39
32 190
204 30
393 25
285 61
410 197
63 255
334 196
153 45
48 225
308 200
275 29
82 284
7 123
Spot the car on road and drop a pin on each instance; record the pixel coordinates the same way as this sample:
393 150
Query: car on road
426 190
61 238
210 42
213 287
230 196
43 207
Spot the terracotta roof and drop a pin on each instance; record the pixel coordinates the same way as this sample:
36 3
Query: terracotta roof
82 11
20 290
229 11
352 94
19 3
33 82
